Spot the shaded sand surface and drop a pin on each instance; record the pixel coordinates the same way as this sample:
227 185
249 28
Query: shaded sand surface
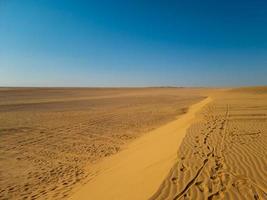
136 172
224 153
50 137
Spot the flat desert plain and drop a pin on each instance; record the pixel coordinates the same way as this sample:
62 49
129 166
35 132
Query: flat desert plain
133 143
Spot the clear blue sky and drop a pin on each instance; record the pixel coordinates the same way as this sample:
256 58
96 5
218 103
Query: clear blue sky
133 43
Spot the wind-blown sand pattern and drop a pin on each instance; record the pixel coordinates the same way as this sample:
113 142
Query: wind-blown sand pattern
151 143
50 138
223 155
136 172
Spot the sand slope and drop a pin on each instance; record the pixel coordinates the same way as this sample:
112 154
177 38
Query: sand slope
223 156
54 140
50 136
136 172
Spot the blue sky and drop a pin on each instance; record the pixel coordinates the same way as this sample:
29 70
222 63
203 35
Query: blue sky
133 43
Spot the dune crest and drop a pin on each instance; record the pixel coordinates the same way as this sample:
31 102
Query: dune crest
136 172
49 137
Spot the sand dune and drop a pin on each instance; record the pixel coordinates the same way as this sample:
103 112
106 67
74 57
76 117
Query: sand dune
137 171
50 137
150 143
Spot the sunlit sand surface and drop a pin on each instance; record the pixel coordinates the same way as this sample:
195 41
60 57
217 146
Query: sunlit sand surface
150 143
224 153
50 138
143 165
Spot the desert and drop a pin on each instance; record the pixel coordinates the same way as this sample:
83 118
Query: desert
48 136
133 100
167 143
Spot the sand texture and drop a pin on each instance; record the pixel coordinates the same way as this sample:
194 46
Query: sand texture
137 171
133 144
50 138
224 153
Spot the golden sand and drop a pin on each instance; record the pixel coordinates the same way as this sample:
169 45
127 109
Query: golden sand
224 153
138 170
150 143
50 137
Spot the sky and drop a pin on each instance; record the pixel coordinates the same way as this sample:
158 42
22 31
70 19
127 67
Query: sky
133 43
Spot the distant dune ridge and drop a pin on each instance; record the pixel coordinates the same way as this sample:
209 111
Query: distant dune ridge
133 143
253 90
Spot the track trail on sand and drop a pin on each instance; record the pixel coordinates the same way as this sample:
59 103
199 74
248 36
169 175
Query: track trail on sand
136 172
223 155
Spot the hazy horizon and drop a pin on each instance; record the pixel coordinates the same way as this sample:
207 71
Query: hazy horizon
133 44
